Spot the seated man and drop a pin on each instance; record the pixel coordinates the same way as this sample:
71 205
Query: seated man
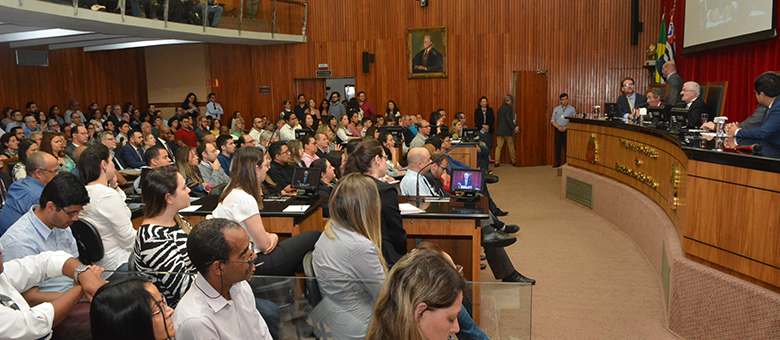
630 100
221 304
132 155
226 147
692 102
45 227
26 192
767 89
281 172
209 166
492 241
156 157
20 321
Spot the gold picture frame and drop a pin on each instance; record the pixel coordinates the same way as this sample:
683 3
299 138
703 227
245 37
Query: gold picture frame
430 64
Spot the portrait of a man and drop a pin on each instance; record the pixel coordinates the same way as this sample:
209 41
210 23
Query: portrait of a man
427 51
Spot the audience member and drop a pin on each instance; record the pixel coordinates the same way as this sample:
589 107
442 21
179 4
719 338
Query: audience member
368 109
80 138
213 109
190 106
350 249
287 132
420 299
423 131
257 128
484 120
132 155
123 135
309 154
54 144
324 108
245 140
16 120
148 141
185 135
266 137
187 161
10 145
300 107
296 152
6 118
242 201
222 253
106 210
327 181
30 125
287 109
280 172
322 142
74 109
314 112
130 308
26 148
237 128
335 108
23 194
165 141
227 147
209 166
369 159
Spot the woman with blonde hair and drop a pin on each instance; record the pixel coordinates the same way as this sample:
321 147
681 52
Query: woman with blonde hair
149 141
420 300
455 130
187 162
351 248
237 128
296 152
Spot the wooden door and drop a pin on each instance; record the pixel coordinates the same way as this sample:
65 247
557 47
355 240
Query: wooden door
533 142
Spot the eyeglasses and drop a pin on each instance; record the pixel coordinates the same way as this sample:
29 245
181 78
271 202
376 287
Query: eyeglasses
251 256
70 214
161 304
627 85
53 172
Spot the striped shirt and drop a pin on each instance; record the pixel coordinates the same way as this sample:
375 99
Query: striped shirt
164 249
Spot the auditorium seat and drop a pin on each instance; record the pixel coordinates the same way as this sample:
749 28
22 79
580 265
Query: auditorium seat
716 97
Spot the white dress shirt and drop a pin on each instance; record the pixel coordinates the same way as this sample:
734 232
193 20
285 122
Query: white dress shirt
409 187
110 215
204 314
287 132
20 321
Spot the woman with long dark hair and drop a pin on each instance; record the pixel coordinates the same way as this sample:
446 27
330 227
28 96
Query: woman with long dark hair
324 106
369 159
484 119
54 144
190 105
392 109
54 113
130 308
26 148
242 202
9 145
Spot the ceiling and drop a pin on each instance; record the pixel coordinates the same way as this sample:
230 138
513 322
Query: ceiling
39 23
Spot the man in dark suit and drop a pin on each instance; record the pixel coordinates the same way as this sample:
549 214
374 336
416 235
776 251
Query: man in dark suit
767 89
132 155
164 141
630 100
669 70
506 128
428 60
692 102
466 182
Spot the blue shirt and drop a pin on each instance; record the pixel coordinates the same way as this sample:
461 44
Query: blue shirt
413 129
27 131
22 195
224 162
30 236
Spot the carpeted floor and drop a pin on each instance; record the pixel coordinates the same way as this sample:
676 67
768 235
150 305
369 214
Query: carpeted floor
592 281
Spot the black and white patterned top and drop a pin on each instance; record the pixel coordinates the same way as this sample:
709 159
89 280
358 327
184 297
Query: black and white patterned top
164 249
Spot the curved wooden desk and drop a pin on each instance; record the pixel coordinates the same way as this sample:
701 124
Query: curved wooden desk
722 203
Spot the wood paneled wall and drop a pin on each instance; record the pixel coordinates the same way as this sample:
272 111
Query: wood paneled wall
104 77
585 46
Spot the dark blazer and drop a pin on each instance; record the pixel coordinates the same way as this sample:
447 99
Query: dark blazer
505 125
393 233
769 130
624 107
321 154
171 147
434 63
130 158
282 175
408 135
694 112
757 118
324 190
489 119
675 86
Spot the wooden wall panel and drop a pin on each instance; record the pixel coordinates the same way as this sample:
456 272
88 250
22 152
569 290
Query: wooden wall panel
584 46
103 77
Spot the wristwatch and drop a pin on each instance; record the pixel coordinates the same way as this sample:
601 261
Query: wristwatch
80 269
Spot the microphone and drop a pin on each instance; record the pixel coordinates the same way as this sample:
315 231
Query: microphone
752 148
417 184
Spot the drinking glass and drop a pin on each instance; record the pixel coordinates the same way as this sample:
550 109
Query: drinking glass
703 119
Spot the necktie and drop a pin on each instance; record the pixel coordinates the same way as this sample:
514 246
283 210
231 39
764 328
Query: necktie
630 104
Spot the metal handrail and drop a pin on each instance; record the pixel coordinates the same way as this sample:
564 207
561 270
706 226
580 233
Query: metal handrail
240 17
122 9
75 7
273 21
305 15
165 13
205 14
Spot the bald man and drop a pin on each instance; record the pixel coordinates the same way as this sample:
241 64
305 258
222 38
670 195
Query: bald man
669 70
26 192
418 159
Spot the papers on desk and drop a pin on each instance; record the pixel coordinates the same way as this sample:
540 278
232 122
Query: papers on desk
713 134
407 208
295 208
191 208
130 172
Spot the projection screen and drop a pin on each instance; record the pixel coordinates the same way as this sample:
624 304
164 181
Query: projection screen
711 24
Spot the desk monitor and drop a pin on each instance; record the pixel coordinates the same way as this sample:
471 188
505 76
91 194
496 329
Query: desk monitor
660 113
307 179
469 182
396 131
611 109
681 116
301 133
469 134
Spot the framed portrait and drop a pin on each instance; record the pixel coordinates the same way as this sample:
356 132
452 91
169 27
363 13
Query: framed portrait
426 52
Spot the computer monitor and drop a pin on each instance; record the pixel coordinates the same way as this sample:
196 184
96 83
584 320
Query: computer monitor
660 114
611 109
307 179
681 116
301 133
469 134
396 131
468 182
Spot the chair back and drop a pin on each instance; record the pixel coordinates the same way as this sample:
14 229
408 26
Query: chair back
88 241
8 164
716 98
217 190
664 88
312 292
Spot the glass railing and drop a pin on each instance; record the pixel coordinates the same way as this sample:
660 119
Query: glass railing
316 308
271 16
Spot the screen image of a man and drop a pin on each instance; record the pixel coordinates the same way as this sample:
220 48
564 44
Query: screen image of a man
466 182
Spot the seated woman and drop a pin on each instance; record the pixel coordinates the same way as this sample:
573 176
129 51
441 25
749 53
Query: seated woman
455 130
106 210
26 148
9 145
54 144
130 308
350 248
369 159
215 125
237 128
421 299
149 141
187 161
344 134
296 152
327 182
161 241
242 201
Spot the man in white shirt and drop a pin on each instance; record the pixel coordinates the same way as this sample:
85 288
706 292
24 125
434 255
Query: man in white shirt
213 109
287 132
418 158
258 126
20 321
220 303
74 108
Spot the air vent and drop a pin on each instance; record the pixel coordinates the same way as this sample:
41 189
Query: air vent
32 58
579 191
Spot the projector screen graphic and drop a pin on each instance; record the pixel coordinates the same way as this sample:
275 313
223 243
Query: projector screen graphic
711 24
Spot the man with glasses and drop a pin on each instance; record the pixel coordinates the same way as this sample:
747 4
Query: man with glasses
281 172
287 132
53 126
630 99
220 303
336 107
80 137
26 192
423 130
210 168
